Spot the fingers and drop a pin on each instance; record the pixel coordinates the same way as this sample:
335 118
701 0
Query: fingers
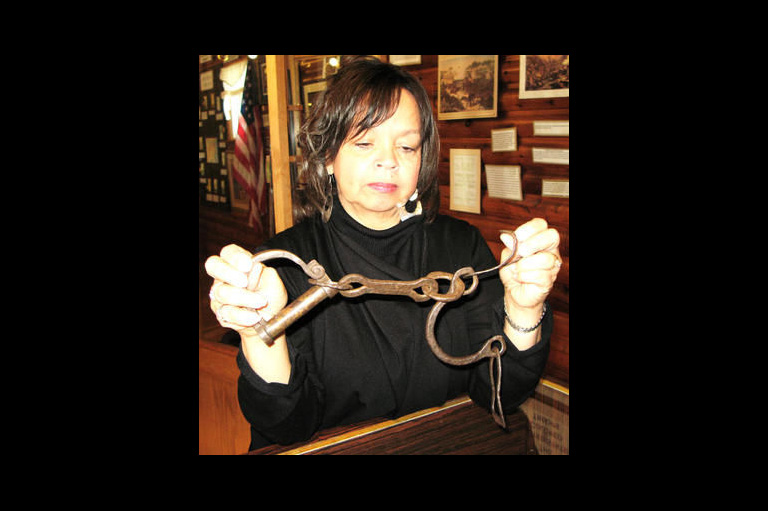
533 274
254 278
544 261
539 278
235 307
231 267
236 318
218 268
509 242
535 236
243 292
237 257
236 296
530 228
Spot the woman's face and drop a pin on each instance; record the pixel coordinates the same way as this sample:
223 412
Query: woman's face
380 167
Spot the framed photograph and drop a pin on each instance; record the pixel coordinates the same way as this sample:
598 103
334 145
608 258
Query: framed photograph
544 76
467 86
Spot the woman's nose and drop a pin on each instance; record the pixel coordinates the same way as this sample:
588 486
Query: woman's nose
387 159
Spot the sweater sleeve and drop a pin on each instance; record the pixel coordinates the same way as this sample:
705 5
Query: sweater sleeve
280 413
284 413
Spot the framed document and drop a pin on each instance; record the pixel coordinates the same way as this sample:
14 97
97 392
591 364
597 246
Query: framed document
467 86
465 180
206 81
504 140
545 76
547 155
211 150
555 188
504 181
551 128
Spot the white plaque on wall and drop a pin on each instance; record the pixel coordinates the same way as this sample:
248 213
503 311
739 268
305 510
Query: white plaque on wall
548 155
555 188
551 128
465 180
504 181
504 140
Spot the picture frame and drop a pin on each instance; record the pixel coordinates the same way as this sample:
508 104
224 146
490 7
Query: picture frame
206 81
467 86
465 180
556 188
550 155
544 76
504 139
504 181
405 60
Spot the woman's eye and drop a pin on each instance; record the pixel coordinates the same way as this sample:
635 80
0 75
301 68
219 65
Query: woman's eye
407 149
363 145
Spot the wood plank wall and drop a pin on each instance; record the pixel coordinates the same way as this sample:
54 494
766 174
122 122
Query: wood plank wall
500 213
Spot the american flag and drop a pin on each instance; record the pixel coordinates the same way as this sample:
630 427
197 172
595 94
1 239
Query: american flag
249 153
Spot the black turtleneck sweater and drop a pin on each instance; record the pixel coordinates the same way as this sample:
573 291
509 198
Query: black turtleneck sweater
358 358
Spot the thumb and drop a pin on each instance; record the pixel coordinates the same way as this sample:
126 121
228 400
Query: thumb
254 277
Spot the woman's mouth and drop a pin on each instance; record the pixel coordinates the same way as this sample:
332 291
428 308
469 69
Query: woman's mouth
383 187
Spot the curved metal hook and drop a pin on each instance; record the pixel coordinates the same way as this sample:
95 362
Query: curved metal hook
270 330
313 269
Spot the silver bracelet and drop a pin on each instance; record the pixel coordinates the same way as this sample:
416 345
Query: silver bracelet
521 329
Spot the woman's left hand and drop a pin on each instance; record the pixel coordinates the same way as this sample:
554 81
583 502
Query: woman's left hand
528 281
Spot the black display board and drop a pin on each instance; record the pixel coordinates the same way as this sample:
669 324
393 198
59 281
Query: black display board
213 174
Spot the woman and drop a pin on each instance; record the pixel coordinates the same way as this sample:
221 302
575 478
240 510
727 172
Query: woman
370 157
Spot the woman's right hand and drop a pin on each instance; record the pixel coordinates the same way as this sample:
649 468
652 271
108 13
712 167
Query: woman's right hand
243 291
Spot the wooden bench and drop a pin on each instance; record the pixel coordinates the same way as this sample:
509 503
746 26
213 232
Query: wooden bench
222 427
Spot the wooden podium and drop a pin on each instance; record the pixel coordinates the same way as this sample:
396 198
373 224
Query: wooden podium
457 427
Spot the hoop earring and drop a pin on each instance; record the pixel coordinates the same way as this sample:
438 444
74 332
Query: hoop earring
327 207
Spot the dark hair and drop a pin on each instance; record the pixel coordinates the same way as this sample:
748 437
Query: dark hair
363 94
